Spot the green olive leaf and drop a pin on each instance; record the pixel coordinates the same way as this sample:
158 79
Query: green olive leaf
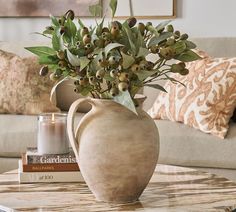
56 43
81 23
188 56
143 52
189 44
86 90
127 60
142 75
54 20
84 62
73 59
111 46
125 99
95 10
48 60
107 77
41 50
99 27
162 25
179 47
156 86
70 28
131 38
113 6
153 30
156 40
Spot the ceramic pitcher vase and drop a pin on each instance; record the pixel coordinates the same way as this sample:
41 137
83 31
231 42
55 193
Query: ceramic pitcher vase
116 149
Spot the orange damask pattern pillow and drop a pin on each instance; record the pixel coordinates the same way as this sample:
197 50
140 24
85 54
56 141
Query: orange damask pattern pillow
22 90
208 100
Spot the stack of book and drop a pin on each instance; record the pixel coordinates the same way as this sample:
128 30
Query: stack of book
34 168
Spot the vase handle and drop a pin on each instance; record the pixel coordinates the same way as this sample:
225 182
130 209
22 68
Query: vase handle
70 124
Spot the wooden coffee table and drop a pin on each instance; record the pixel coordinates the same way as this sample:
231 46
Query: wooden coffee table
171 188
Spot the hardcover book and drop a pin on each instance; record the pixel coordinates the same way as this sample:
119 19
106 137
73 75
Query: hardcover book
48 177
46 167
33 157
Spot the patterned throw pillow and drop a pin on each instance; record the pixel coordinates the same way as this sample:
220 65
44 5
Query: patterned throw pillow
22 90
208 100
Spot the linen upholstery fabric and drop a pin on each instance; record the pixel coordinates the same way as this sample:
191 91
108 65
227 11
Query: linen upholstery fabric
208 100
23 91
181 145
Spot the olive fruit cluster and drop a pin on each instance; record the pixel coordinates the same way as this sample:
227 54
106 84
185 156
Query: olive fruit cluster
179 68
108 60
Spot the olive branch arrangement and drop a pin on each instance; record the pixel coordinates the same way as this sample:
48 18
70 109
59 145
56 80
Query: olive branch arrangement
111 61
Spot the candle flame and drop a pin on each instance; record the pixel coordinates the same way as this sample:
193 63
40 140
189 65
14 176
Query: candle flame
53 117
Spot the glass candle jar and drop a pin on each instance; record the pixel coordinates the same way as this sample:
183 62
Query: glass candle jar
52 134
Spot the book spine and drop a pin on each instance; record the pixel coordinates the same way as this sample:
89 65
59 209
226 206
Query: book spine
44 159
48 177
50 167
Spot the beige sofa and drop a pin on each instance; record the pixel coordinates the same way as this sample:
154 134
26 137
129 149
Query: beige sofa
180 144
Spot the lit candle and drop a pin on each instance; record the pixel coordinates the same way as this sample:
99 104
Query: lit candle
52 134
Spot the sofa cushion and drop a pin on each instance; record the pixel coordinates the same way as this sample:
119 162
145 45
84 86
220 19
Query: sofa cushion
183 145
22 90
208 99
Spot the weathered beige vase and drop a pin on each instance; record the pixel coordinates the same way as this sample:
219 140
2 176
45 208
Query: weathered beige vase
117 150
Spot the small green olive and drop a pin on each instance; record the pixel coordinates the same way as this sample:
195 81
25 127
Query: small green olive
100 74
62 63
113 73
103 63
70 14
115 31
76 82
99 43
43 71
83 81
92 80
182 64
177 34
61 55
143 65
53 77
170 42
184 36
124 77
84 31
112 60
131 21
135 68
185 71
154 49
62 20
167 53
86 39
114 91
58 73
123 86
141 28
62 30
106 35
170 28
105 29
176 68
